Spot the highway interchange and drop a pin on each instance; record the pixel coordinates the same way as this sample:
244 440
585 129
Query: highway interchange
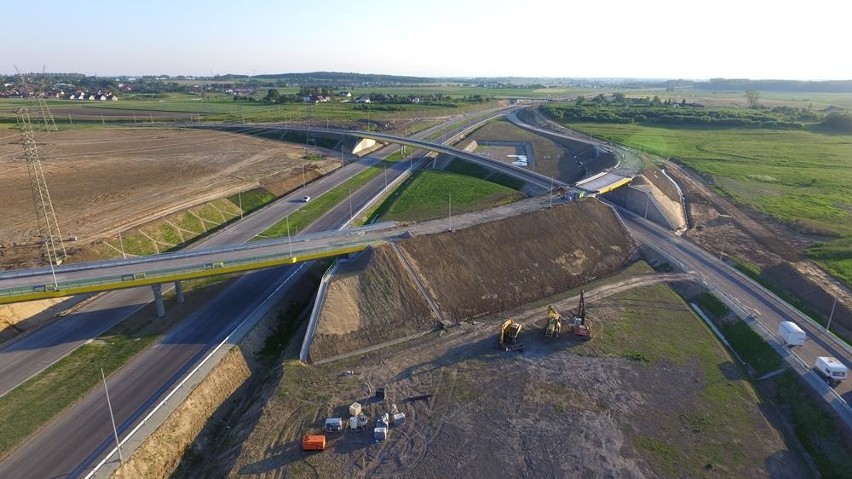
83 433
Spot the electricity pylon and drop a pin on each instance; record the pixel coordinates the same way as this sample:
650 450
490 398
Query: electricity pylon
40 103
48 227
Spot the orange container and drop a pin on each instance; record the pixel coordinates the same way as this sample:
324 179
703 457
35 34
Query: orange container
313 442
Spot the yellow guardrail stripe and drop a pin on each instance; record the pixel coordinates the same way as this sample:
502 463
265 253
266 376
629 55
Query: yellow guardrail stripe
168 278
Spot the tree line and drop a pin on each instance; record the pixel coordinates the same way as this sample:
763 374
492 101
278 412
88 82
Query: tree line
619 109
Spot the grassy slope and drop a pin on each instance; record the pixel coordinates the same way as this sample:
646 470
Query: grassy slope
426 196
654 325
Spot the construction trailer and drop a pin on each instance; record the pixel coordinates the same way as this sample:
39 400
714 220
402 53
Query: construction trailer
313 442
832 370
579 325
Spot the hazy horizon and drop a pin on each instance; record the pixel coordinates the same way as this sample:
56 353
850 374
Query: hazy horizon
535 39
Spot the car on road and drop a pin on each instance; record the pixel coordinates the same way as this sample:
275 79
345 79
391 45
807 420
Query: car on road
305 199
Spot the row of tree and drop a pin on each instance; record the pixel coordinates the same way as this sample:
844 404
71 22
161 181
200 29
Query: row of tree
680 114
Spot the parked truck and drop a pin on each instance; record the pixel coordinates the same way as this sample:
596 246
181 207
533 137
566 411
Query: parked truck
832 370
791 333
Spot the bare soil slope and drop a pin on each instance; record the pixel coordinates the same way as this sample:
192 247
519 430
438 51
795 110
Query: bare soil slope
470 272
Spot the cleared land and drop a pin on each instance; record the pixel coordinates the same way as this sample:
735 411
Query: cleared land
103 181
652 394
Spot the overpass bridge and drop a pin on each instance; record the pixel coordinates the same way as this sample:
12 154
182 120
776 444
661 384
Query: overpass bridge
538 183
66 280
71 279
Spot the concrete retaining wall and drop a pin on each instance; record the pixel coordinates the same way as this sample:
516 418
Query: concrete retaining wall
642 203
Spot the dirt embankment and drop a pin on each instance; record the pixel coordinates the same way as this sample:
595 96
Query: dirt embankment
721 227
484 269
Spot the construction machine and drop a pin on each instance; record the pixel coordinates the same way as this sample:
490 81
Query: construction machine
509 332
554 323
579 326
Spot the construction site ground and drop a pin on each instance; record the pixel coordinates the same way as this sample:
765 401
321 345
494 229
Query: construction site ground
653 394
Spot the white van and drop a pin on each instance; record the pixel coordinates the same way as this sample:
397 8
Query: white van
791 333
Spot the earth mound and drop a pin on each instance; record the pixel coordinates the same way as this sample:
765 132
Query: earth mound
397 290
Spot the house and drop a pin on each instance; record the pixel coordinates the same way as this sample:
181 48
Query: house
345 94
362 99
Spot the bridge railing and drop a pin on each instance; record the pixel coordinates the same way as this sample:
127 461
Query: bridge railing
165 275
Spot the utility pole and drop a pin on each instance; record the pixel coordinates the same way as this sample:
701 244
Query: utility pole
112 418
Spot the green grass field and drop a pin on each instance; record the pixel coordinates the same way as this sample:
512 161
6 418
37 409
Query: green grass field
427 195
801 178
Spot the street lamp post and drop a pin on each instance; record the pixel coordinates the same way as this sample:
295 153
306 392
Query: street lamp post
450 210
121 244
831 315
289 244
112 418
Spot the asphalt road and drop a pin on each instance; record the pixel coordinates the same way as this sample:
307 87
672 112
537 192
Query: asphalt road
76 439
751 299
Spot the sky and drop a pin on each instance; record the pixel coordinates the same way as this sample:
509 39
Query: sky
433 38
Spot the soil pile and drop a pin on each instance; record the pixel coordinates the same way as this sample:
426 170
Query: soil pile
467 273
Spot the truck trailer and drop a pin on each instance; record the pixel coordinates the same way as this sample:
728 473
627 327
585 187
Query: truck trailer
791 333
831 369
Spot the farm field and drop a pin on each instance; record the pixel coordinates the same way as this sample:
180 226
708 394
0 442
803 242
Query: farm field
103 181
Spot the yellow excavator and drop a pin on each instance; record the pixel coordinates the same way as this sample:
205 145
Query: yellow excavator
509 332
554 323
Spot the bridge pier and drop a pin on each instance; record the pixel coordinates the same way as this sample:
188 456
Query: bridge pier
158 299
179 291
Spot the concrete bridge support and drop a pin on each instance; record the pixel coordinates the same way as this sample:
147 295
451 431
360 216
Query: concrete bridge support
158 299
179 291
